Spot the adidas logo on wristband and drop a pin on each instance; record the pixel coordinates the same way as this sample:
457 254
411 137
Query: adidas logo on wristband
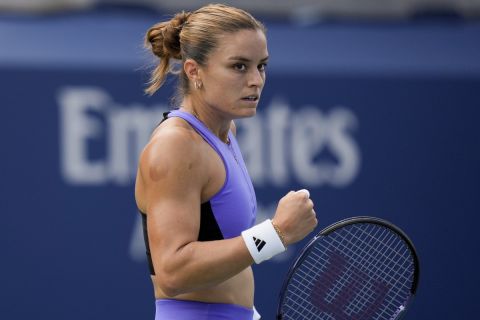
265 247
259 243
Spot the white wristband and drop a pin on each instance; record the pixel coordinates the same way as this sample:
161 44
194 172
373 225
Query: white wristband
262 241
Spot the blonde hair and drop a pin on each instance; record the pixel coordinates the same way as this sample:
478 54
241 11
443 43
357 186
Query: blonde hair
192 35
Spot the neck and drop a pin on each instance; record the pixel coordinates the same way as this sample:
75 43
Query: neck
211 118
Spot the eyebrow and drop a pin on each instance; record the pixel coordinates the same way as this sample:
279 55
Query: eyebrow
243 59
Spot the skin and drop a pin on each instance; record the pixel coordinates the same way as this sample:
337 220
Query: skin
173 181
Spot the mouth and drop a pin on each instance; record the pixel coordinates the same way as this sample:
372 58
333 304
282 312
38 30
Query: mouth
251 98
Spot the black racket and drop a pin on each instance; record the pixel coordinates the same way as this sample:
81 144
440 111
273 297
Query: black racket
361 268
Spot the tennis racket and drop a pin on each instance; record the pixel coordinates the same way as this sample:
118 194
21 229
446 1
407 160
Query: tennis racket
361 268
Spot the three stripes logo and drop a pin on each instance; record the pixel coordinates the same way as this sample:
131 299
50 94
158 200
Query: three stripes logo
259 243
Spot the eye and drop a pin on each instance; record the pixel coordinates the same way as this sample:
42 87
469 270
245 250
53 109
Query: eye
240 66
262 66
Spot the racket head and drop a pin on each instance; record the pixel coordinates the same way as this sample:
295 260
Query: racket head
360 268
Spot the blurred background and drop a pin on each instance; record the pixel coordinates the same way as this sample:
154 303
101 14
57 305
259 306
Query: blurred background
373 105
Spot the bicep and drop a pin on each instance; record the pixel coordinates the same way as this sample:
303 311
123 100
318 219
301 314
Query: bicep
172 188
173 222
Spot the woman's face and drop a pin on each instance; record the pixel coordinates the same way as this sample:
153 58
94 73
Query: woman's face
234 75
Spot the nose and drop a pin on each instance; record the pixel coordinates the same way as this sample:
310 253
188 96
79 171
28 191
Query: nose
256 78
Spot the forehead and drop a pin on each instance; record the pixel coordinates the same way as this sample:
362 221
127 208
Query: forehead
251 44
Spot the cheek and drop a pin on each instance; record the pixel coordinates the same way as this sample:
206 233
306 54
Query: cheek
218 94
224 87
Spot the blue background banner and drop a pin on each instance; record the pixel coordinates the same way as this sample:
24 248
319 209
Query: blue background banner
399 142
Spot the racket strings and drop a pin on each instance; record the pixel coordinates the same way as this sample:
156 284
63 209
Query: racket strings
389 262
385 252
383 265
363 260
371 258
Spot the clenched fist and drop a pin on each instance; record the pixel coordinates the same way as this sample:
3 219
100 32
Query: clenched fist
295 216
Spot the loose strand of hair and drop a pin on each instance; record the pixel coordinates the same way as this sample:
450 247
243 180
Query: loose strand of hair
158 77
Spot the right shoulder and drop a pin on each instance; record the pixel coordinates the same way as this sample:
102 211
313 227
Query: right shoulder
173 149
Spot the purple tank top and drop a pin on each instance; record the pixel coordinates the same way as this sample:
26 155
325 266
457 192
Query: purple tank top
234 206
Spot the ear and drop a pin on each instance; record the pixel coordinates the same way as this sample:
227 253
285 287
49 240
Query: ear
191 69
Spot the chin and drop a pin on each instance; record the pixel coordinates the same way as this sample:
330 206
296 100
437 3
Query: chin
247 113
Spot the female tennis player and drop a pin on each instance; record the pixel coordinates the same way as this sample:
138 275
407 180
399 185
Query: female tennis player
196 198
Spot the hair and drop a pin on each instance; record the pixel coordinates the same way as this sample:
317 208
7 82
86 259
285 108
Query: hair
192 35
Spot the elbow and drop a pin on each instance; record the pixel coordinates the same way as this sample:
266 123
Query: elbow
170 285
172 277
169 292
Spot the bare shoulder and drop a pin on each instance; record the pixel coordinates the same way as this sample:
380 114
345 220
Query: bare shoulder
173 151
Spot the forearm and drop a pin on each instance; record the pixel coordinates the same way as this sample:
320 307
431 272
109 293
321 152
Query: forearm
200 265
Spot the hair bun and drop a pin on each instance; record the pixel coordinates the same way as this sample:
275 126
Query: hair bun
164 37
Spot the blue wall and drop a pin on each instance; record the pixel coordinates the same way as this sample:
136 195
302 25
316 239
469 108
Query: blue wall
388 111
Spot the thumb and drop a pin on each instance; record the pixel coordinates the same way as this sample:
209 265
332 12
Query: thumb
304 191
